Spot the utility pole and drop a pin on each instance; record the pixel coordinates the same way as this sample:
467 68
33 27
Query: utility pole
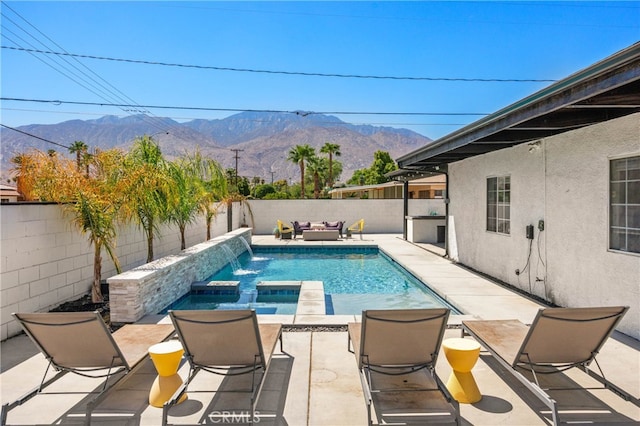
272 177
236 151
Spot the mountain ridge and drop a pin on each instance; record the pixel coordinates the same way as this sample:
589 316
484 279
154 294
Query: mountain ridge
261 141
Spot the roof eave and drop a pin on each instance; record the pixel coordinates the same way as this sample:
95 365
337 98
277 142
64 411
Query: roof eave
609 73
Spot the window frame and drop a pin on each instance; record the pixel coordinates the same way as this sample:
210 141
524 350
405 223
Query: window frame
498 220
625 182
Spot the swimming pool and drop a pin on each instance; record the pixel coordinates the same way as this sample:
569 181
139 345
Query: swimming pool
354 279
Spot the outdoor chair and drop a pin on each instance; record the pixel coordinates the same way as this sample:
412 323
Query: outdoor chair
300 227
557 340
334 226
396 352
81 343
356 227
228 343
285 230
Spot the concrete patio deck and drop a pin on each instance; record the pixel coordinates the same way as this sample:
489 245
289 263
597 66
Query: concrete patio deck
315 382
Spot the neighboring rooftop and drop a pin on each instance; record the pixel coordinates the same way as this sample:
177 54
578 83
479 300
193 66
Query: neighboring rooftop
9 193
427 187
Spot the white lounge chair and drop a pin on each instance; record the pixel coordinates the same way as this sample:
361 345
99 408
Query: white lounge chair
396 351
557 340
225 342
81 343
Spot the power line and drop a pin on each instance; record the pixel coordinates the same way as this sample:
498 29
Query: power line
306 74
34 136
88 79
296 112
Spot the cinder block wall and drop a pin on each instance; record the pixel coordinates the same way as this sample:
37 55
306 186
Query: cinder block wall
45 261
380 216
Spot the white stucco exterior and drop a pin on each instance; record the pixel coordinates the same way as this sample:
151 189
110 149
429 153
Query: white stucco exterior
563 180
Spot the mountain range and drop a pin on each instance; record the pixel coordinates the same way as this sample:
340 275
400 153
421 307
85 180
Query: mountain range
258 141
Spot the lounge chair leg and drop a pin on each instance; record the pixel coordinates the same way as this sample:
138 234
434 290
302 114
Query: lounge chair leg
554 414
165 414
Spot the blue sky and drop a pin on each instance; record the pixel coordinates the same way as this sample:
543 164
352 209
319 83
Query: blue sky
452 40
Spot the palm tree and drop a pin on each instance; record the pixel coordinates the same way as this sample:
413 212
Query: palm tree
212 178
316 167
92 203
299 154
182 205
95 215
195 184
24 165
331 149
79 148
146 186
36 174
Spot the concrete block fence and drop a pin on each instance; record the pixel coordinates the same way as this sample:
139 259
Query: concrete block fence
380 216
46 261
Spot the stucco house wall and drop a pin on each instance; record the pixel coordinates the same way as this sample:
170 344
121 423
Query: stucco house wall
563 180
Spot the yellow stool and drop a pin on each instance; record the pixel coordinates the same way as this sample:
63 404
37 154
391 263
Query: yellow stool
462 354
166 358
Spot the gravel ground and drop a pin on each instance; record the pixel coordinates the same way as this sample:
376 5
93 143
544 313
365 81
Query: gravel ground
84 304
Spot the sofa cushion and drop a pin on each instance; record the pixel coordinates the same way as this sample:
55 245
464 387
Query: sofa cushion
332 224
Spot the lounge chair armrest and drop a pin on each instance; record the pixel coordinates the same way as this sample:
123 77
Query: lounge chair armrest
366 388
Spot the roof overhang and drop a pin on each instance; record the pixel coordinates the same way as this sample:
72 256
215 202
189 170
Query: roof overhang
606 90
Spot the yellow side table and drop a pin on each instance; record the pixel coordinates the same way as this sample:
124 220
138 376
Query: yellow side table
166 358
462 355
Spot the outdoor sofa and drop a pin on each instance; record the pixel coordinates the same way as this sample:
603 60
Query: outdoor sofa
300 227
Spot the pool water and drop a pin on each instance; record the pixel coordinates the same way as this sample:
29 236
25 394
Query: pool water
354 279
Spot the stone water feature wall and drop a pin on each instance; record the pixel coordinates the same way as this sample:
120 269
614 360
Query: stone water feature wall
150 288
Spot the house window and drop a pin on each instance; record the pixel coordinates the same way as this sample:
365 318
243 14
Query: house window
624 204
499 204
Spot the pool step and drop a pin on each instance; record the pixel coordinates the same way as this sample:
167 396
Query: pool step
279 287
312 299
222 288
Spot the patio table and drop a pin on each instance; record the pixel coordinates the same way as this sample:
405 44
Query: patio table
462 355
166 358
